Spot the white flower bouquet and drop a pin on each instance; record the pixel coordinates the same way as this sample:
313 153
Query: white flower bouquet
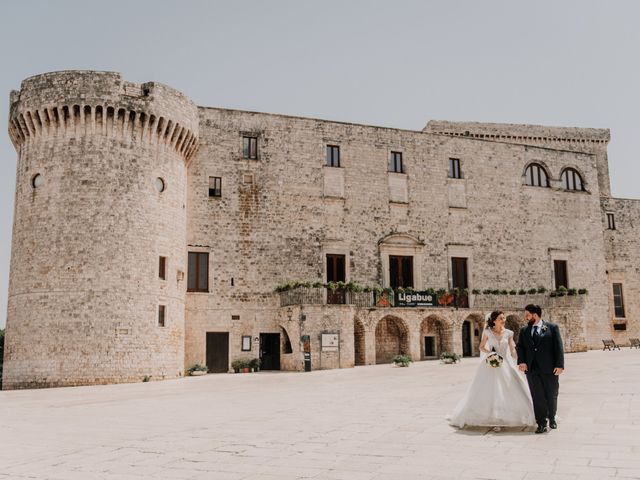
494 360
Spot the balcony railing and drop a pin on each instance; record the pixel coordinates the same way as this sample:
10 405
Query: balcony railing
387 298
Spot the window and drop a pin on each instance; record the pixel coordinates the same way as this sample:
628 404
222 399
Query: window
335 273
161 315
560 273
37 180
333 156
215 186
611 221
536 176
571 180
198 275
162 270
454 168
459 278
618 300
250 147
160 185
400 271
620 326
395 162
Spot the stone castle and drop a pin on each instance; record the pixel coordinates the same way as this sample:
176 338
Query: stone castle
151 234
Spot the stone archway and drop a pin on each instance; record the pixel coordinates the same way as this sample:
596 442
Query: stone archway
435 337
471 334
514 324
392 338
359 342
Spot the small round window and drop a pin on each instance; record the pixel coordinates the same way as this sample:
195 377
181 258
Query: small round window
160 185
37 180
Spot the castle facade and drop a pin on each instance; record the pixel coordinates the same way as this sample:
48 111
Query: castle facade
151 234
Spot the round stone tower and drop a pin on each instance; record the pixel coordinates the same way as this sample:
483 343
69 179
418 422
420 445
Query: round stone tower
100 198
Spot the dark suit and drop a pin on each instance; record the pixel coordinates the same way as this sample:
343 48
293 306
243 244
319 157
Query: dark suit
542 356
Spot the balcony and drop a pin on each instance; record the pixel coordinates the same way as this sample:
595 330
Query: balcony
371 298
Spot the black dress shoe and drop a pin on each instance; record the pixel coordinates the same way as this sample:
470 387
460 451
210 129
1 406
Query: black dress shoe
541 429
553 424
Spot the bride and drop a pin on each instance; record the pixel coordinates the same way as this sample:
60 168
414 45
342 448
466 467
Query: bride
498 395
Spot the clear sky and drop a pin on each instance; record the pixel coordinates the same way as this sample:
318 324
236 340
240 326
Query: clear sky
392 63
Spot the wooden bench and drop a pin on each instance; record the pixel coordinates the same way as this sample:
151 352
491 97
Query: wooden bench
634 343
610 345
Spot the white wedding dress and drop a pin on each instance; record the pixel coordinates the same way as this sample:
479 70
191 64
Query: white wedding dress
497 397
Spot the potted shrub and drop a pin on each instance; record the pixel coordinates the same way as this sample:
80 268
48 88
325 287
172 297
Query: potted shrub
197 369
239 364
449 357
582 291
401 360
254 363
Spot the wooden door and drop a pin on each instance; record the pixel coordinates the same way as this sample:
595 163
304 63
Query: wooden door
218 352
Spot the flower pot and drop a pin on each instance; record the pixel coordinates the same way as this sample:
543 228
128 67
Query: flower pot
197 373
236 370
246 370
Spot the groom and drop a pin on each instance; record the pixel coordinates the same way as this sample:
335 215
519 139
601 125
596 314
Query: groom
541 357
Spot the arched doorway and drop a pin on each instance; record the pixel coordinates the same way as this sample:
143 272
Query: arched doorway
435 337
471 333
513 323
392 338
359 342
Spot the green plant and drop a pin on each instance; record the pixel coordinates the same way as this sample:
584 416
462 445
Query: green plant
542 290
572 291
255 363
402 360
353 287
582 291
495 291
449 357
441 291
503 292
317 285
513 292
430 291
196 367
553 294
240 363
532 291
486 291
562 288
146 378
522 291
475 291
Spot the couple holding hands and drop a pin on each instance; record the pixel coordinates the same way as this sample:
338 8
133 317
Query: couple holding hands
498 395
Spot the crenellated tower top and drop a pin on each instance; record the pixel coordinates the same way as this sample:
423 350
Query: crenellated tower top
81 104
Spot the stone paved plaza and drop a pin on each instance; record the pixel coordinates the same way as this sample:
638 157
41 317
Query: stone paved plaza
367 423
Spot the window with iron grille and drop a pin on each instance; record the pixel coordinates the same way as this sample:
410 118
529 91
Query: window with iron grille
454 168
198 274
250 147
333 156
395 162
536 176
618 300
215 186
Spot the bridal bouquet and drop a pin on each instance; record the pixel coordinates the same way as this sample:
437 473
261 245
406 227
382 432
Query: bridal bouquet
494 360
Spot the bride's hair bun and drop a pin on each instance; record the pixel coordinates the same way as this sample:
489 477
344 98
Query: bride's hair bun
491 321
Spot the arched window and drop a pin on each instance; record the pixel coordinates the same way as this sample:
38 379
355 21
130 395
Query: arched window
536 176
571 180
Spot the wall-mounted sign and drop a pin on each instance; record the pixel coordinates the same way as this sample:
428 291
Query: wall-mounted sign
330 342
246 343
416 299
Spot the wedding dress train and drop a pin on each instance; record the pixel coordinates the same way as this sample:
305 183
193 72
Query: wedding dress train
497 397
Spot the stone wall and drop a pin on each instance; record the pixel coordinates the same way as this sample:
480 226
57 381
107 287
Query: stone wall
623 265
84 285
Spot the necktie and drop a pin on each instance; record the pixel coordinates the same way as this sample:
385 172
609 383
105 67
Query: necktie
535 334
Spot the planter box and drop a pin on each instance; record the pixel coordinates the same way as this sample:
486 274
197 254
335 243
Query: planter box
197 373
